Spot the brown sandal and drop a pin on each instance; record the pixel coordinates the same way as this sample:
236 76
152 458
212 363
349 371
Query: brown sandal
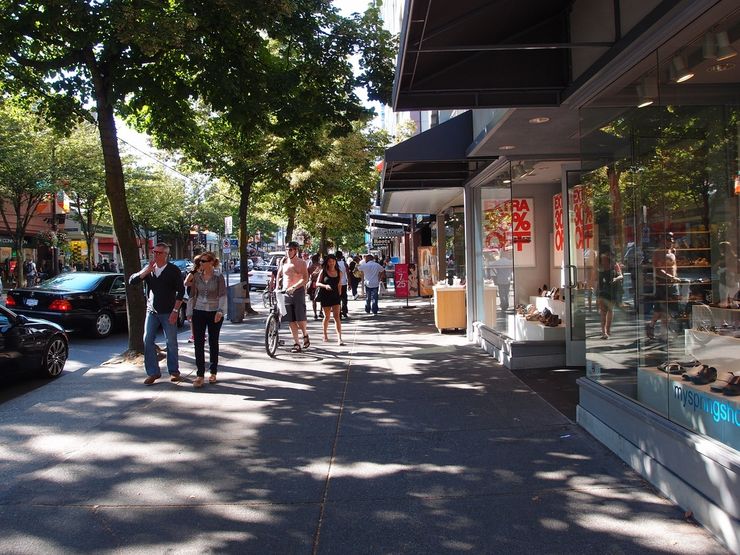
212 378
198 383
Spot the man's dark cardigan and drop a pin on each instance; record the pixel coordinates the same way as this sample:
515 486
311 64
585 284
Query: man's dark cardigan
164 290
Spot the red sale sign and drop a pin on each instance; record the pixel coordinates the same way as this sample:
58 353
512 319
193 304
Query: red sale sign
558 232
509 224
401 280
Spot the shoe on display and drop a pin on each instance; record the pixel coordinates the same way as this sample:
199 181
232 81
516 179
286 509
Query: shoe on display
723 380
705 376
733 387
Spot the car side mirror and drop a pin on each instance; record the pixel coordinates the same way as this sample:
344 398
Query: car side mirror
21 319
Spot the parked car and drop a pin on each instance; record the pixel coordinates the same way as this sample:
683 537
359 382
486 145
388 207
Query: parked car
259 277
274 258
184 265
89 301
79 301
31 345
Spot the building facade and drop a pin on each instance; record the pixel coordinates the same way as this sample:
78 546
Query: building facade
596 176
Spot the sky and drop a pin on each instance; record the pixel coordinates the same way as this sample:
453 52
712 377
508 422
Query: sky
141 143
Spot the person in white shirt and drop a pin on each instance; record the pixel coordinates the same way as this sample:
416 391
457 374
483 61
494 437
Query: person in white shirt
372 273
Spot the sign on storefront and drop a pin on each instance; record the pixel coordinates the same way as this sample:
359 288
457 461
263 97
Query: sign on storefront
509 224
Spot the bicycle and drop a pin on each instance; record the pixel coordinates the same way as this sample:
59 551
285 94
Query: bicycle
272 326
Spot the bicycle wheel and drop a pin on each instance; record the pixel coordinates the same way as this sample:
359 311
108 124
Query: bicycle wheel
272 326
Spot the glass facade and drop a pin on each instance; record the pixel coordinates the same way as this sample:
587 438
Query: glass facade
660 281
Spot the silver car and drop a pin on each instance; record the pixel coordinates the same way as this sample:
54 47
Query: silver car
260 276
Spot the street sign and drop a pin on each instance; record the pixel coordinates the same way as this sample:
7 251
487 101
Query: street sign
227 225
225 243
234 243
227 250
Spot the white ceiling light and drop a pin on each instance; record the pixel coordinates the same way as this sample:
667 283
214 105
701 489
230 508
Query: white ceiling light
679 73
506 147
724 50
643 99
539 119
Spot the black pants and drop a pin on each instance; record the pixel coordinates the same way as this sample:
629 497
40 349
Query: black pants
203 320
343 297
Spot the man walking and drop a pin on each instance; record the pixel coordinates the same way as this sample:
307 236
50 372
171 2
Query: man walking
166 290
372 272
293 273
342 265
29 269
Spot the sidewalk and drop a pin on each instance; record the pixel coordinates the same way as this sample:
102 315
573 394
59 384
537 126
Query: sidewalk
404 441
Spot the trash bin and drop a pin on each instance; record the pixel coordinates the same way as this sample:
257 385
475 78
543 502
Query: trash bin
238 294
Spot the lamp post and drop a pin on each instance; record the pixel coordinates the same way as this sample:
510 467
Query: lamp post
55 240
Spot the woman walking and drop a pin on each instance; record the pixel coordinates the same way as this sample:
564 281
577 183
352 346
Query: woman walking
206 308
329 284
188 281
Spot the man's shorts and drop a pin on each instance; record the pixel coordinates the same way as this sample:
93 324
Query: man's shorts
295 304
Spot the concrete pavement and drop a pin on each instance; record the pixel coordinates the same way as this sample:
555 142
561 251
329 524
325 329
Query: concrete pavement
403 441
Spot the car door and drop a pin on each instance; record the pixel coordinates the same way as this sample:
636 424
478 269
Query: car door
117 295
15 339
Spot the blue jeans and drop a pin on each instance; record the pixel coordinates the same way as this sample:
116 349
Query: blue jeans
371 296
151 326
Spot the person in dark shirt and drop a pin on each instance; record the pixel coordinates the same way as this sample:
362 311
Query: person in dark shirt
166 290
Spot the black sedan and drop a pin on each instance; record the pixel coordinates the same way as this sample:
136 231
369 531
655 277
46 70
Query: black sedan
30 345
90 301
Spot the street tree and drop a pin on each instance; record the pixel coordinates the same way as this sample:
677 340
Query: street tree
26 171
91 60
79 167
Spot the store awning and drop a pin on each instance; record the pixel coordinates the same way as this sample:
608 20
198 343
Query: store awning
483 53
434 158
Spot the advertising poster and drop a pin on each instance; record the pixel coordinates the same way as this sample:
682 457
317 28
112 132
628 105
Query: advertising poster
427 270
510 223
401 279
582 222
558 233
413 281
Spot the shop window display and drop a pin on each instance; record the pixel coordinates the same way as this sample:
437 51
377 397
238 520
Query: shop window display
666 203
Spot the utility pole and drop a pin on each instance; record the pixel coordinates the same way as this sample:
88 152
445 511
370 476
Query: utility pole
55 243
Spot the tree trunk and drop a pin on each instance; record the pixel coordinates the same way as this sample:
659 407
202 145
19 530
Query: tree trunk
322 243
116 192
245 191
615 195
291 224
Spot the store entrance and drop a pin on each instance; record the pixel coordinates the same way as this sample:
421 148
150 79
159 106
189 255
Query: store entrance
578 264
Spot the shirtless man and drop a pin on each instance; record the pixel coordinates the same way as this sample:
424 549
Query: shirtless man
293 276
666 283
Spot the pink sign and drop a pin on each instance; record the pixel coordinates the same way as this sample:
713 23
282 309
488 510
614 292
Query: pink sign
401 280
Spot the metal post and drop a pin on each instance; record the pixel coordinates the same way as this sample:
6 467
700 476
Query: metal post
54 249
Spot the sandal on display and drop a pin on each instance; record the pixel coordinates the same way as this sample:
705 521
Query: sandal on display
705 376
722 381
733 387
672 367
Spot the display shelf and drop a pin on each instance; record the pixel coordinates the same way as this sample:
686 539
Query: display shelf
490 296
522 329
449 307
695 407
556 306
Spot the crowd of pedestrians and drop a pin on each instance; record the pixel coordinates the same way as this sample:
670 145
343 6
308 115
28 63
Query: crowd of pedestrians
326 282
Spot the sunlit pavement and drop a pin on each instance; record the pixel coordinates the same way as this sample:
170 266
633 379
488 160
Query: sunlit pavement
403 441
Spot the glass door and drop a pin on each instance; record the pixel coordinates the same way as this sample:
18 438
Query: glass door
577 271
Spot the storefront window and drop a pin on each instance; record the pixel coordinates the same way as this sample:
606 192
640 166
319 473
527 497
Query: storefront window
665 195
496 256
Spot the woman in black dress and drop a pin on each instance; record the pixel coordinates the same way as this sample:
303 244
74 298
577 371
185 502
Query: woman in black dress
328 291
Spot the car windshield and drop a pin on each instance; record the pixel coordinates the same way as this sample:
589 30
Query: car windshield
262 268
74 280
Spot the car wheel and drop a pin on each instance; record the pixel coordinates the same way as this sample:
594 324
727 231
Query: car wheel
55 356
103 325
